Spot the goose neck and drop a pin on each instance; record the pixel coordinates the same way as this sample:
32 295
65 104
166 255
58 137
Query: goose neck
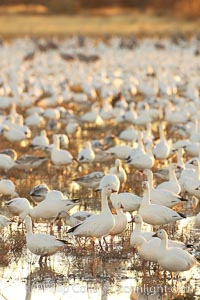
104 204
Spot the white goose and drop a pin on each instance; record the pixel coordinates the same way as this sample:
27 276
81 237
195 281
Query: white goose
110 180
18 205
41 140
7 187
162 149
40 243
161 196
49 207
119 171
155 214
173 259
6 162
59 156
129 201
143 160
86 154
147 235
172 185
121 220
100 225
148 250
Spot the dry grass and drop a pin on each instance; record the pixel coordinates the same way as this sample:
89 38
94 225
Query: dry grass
123 24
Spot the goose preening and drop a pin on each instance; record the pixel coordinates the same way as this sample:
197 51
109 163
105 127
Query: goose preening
155 214
40 243
97 226
173 259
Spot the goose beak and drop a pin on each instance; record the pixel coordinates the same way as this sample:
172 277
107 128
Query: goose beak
19 222
114 191
98 190
121 206
154 235
132 220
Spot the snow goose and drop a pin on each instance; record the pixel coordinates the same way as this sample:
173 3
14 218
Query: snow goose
119 171
29 162
173 259
40 141
155 214
18 205
97 226
74 219
4 221
6 162
142 160
7 187
120 151
172 185
161 196
10 152
60 156
129 135
38 192
129 201
148 250
162 149
90 180
121 220
14 134
40 243
137 231
110 180
34 120
49 207
86 154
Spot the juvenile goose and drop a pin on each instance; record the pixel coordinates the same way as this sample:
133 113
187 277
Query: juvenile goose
38 192
74 219
173 259
29 162
40 243
90 180
155 214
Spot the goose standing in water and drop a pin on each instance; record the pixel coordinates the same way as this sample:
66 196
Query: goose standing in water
155 214
40 243
97 226
173 259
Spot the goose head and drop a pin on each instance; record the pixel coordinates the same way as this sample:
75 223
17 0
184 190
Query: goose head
161 234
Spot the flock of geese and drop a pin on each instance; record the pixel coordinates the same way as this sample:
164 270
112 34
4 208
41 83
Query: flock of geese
130 113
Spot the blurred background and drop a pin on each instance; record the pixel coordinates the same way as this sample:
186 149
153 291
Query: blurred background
60 17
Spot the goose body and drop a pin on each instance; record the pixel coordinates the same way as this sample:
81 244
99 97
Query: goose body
90 180
6 162
18 205
129 201
60 156
121 221
41 140
40 243
119 171
155 214
97 225
172 185
162 149
7 187
173 259
86 154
